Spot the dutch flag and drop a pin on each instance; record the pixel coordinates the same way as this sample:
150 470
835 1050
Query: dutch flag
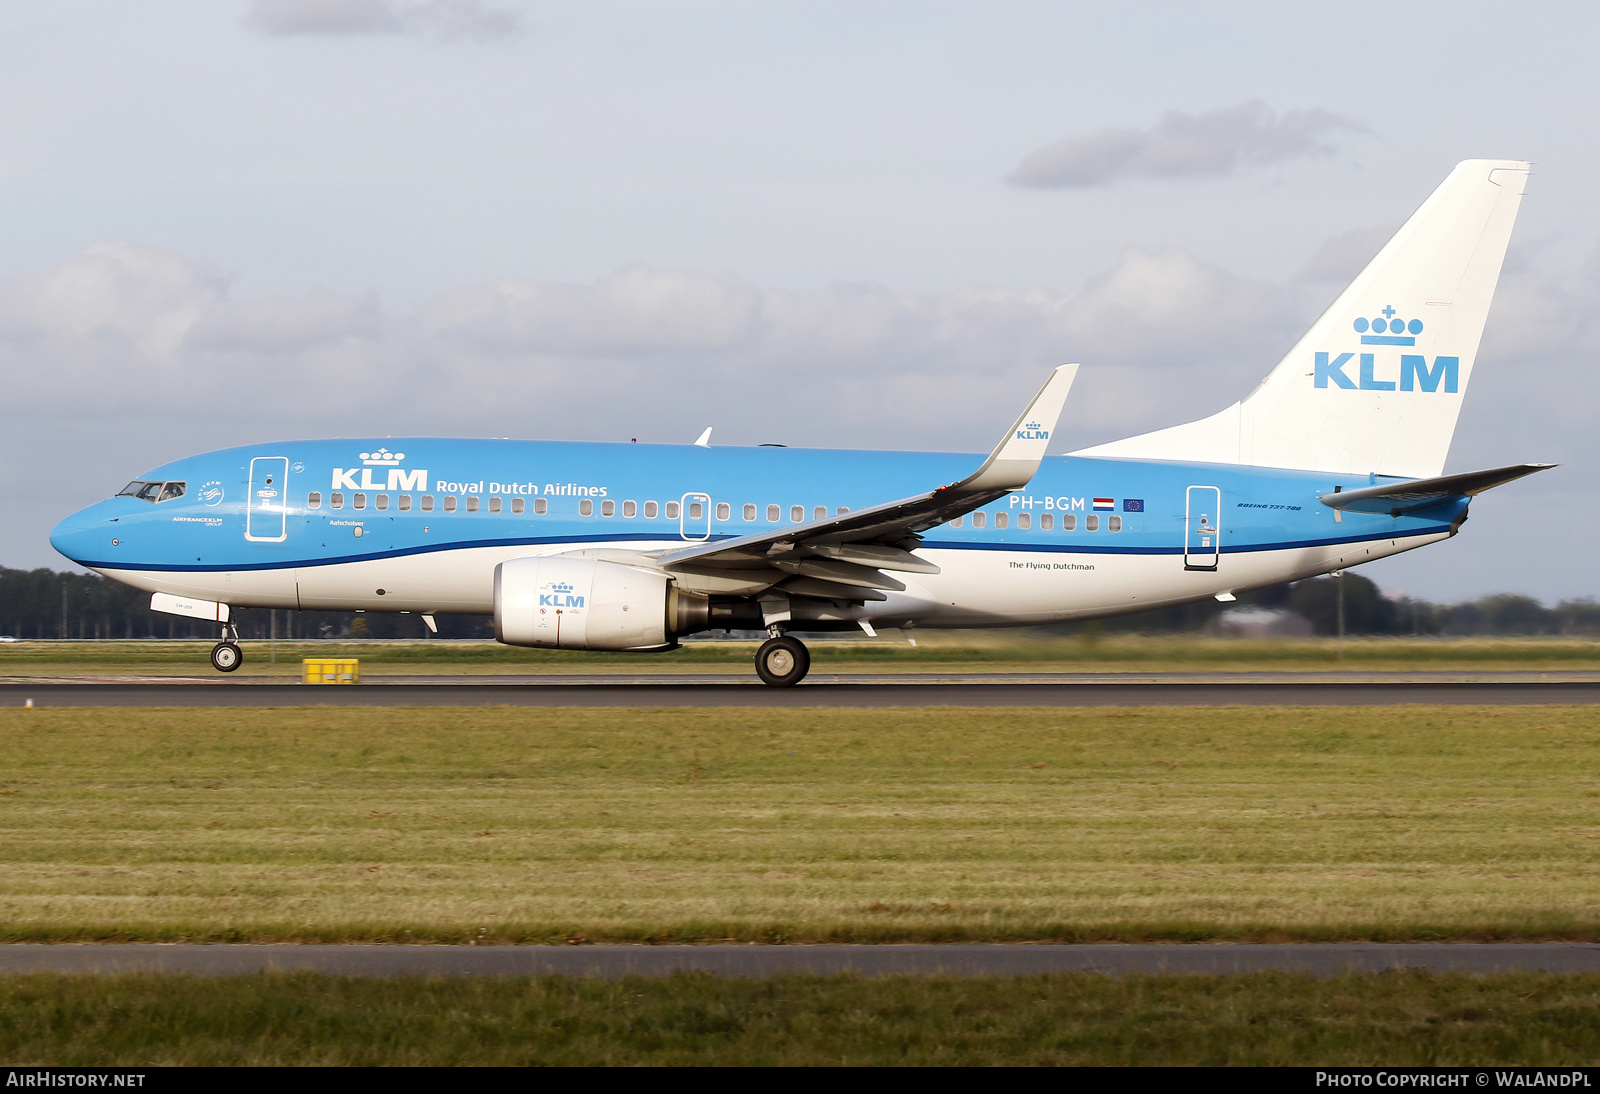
1105 503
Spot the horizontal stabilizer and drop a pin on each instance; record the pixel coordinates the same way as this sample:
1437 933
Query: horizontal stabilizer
1400 497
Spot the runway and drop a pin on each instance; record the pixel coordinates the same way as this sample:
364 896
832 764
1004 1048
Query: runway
733 960
970 690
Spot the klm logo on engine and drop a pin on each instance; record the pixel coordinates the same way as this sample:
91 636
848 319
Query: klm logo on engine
560 596
398 477
1415 374
1033 431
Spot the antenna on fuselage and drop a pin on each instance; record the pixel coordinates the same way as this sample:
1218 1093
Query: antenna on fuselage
705 438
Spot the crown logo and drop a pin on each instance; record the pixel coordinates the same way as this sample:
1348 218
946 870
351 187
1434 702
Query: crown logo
1031 425
561 587
1387 330
382 458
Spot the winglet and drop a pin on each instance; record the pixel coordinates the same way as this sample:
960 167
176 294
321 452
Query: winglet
1016 459
705 438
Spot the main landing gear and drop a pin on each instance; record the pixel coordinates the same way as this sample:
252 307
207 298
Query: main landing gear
782 661
226 655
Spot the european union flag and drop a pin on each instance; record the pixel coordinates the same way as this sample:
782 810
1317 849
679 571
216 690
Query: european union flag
1133 505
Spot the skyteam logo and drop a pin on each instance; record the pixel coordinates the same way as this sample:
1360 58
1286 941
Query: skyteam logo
398 477
1415 374
560 596
1033 431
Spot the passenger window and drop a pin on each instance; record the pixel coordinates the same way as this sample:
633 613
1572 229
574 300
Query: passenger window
1047 521
1001 520
630 508
586 508
172 490
382 501
749 512
1024 520
1068 522
608 508
724 511
427 503
1113 524
820 512
314 500
797 514
672 510
957 523
774 513
697 511
472 504
518 505
977 520
405 501
449 503
540 507
337 500
494 505
1091 523
650 510
360 501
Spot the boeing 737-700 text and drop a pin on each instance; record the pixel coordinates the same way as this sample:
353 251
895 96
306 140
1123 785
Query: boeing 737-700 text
1334 460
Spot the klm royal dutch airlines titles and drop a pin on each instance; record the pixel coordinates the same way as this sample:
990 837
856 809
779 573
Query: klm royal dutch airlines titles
1337 458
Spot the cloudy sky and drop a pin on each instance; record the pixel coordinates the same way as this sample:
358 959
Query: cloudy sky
863 224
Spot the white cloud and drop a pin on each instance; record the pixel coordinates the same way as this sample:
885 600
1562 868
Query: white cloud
444 19
1216 142
1343 256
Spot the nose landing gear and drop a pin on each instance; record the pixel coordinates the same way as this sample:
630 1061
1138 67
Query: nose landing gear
782 661
226 655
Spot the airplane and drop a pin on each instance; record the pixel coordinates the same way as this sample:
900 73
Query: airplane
1335 459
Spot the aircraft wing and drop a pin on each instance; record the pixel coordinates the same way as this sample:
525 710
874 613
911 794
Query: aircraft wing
1401 497
844 556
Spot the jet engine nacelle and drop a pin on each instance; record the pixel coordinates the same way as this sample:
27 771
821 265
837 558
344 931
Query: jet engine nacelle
587 604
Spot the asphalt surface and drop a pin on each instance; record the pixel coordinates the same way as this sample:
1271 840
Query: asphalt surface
664 691
755 961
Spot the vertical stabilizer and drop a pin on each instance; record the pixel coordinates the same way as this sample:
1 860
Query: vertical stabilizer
1376 384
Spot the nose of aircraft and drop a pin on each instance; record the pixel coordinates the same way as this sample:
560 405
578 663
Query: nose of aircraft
86 535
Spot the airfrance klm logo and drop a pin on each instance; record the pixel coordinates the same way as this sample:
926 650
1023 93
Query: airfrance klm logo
1033 431
398 477
1415 373
560 596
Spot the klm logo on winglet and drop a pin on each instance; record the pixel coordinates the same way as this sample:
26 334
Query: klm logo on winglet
1033 431
1415 372
398 479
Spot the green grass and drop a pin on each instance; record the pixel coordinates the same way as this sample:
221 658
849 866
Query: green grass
1266 1019
936 652
524 825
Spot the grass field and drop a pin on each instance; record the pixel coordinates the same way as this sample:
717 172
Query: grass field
514 825
1268 1019
937 652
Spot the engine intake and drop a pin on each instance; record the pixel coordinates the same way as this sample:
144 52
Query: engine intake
587 604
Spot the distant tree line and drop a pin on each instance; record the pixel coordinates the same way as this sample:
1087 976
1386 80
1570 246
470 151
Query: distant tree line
47 604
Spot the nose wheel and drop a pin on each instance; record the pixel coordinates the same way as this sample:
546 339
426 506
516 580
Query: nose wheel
782 662
226 656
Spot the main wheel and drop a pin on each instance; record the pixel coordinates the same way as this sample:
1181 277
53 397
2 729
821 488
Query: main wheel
782 662
225 657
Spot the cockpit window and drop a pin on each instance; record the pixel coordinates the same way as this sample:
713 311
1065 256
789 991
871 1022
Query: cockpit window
152 491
